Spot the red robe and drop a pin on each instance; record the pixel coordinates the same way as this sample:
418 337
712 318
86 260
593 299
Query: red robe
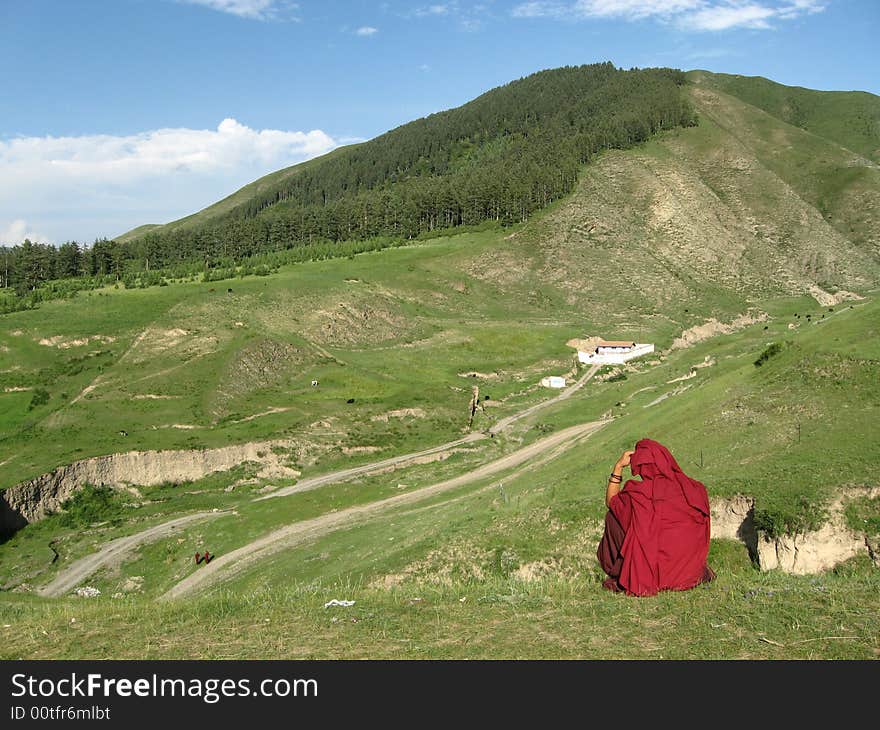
665 517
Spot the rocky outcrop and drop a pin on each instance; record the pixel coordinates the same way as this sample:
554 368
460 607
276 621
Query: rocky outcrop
34 499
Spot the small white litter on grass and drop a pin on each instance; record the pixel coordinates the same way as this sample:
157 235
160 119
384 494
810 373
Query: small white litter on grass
87 592
337 602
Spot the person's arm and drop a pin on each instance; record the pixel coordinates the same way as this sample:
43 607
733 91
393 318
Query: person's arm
616 478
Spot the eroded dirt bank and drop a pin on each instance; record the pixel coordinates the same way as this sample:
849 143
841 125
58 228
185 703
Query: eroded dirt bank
804 553
33 499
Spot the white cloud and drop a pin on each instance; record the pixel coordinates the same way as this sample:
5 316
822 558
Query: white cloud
17 231
254 9
90 186
366 30
433 10
468 16
722 17
627 9
699 15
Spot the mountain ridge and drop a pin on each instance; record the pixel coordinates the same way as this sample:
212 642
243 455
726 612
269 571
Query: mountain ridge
764 94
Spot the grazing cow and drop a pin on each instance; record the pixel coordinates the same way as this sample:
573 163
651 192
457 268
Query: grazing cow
229 291
350 400
123 433
314 383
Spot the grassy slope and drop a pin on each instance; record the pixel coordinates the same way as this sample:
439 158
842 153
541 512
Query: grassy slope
139 231
701 222
522 557
850 118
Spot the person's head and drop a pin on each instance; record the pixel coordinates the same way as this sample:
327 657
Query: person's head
652 458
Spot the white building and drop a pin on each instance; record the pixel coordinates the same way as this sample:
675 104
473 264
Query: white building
613 352
553 381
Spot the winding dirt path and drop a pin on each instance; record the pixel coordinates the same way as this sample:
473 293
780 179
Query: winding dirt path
114 550
567 393
117 549
228 565
343 475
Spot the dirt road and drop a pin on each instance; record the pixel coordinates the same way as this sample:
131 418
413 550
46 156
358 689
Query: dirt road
225 566
116 550
346 474
113 552
567 393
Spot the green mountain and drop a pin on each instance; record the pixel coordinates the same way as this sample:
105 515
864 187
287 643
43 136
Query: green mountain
782 180
499 157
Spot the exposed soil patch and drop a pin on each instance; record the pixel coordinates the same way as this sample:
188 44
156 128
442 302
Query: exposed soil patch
351 450
262 363
63 343
692 373
660 399
33 499
801 554
399 413
821 549
156 341
360 319
827 299
713 327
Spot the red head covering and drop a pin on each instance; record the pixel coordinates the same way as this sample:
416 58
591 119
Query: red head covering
666 519
652 460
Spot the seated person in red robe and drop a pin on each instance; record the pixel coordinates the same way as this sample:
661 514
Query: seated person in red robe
657 529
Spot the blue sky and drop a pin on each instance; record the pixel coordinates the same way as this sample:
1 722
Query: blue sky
115 113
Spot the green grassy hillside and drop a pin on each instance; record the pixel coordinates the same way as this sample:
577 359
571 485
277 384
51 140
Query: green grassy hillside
850 118
474 572
726 244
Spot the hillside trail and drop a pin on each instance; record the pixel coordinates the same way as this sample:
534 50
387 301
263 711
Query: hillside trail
116 550
346 474
567 393
225 566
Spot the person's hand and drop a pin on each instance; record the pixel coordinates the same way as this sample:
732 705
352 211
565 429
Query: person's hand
624 459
